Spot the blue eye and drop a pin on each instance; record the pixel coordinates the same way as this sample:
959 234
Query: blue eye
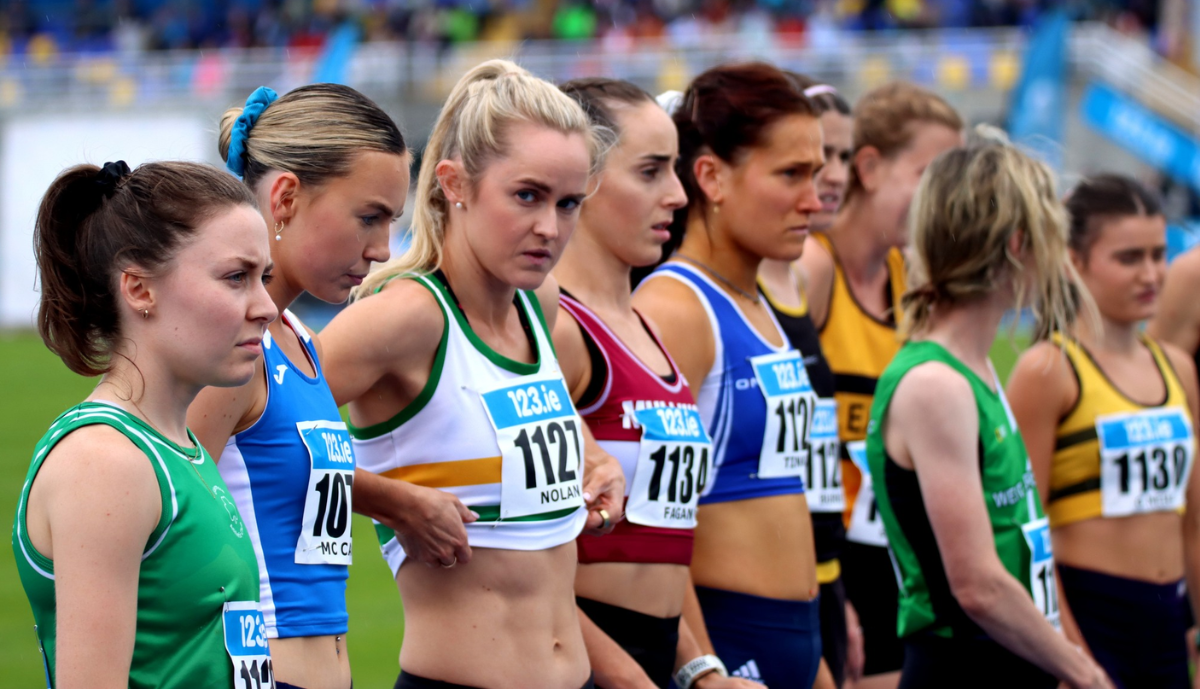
369 220
527 196
570 203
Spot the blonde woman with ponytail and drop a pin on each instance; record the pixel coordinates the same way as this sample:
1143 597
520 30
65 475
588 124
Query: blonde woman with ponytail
453 384
964 522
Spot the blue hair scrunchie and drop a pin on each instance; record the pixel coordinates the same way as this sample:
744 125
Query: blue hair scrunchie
256 103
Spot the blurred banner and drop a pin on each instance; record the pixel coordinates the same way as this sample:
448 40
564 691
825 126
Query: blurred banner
1038 103
336 55
1143 133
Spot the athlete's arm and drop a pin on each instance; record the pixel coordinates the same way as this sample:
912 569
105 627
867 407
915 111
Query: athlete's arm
682 326
817 264
220 412
100 501
932 425
613 666
1041 390
1185 370
396 331
1177 319
573 356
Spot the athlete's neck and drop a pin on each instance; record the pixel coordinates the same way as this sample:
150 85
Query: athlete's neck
1111 336
859 245
782 279
968 330
144 386
486 301
709 246
594 275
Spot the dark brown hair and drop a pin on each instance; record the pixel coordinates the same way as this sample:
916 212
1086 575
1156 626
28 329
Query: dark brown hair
88 230
314 132
827 100
598 96
1102 198
726 110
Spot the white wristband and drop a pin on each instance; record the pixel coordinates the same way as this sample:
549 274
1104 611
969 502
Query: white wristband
687 674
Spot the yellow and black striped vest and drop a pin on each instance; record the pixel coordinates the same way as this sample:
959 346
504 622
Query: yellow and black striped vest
1075 473
858 348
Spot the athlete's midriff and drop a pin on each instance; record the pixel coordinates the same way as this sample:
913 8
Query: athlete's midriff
1145 547
312 662
650 589
505 620
759 546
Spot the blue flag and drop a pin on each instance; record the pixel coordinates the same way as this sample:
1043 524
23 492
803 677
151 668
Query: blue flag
1039 102
336 54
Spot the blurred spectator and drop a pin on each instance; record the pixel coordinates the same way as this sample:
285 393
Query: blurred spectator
134 25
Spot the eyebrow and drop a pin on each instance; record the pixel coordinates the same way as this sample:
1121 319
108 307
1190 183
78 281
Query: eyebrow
384 209
657 158
536 184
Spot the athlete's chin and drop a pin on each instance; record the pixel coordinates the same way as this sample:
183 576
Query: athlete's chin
529 280
235 374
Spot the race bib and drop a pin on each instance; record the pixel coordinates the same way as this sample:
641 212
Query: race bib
541 445
246 642
786 449
823 477
1041 569
325 530
672 468
1145 460
866 527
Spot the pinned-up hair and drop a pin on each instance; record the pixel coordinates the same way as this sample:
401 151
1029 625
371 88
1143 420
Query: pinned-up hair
473 127
598 97
95 222
314 132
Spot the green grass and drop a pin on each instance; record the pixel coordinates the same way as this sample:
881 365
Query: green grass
34 389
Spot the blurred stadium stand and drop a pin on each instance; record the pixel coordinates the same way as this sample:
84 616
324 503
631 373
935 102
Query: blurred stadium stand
87 61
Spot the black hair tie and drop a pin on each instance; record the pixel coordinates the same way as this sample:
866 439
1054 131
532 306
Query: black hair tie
110 176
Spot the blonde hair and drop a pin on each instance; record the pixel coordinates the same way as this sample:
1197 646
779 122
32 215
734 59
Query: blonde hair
970 202
314 132
887 119
472 127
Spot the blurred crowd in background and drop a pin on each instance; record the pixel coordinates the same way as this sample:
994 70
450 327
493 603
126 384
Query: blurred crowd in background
45 27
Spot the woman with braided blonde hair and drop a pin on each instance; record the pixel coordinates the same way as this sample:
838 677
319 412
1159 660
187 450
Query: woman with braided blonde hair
447 361
959 503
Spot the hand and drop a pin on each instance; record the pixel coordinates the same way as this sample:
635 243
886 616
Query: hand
856 655
1089 675
715 681
430 526
603 489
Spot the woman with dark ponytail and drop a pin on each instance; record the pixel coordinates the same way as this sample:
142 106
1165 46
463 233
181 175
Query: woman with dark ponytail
749 150
128 545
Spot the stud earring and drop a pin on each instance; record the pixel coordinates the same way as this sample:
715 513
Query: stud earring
145 313
458 205
716 208
278 230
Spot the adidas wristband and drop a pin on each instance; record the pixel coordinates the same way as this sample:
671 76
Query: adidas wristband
687 674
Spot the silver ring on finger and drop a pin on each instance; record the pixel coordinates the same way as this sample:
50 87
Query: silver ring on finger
451 565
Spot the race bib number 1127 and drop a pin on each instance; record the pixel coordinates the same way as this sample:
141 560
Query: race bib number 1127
541 446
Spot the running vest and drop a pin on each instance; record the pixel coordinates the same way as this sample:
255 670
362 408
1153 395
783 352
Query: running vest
652 427
1114 457
500 435
1020 531
198 624
823 476
754 401
858 348
291 475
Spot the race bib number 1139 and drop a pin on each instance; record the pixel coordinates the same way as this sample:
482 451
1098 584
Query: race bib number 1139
246 643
